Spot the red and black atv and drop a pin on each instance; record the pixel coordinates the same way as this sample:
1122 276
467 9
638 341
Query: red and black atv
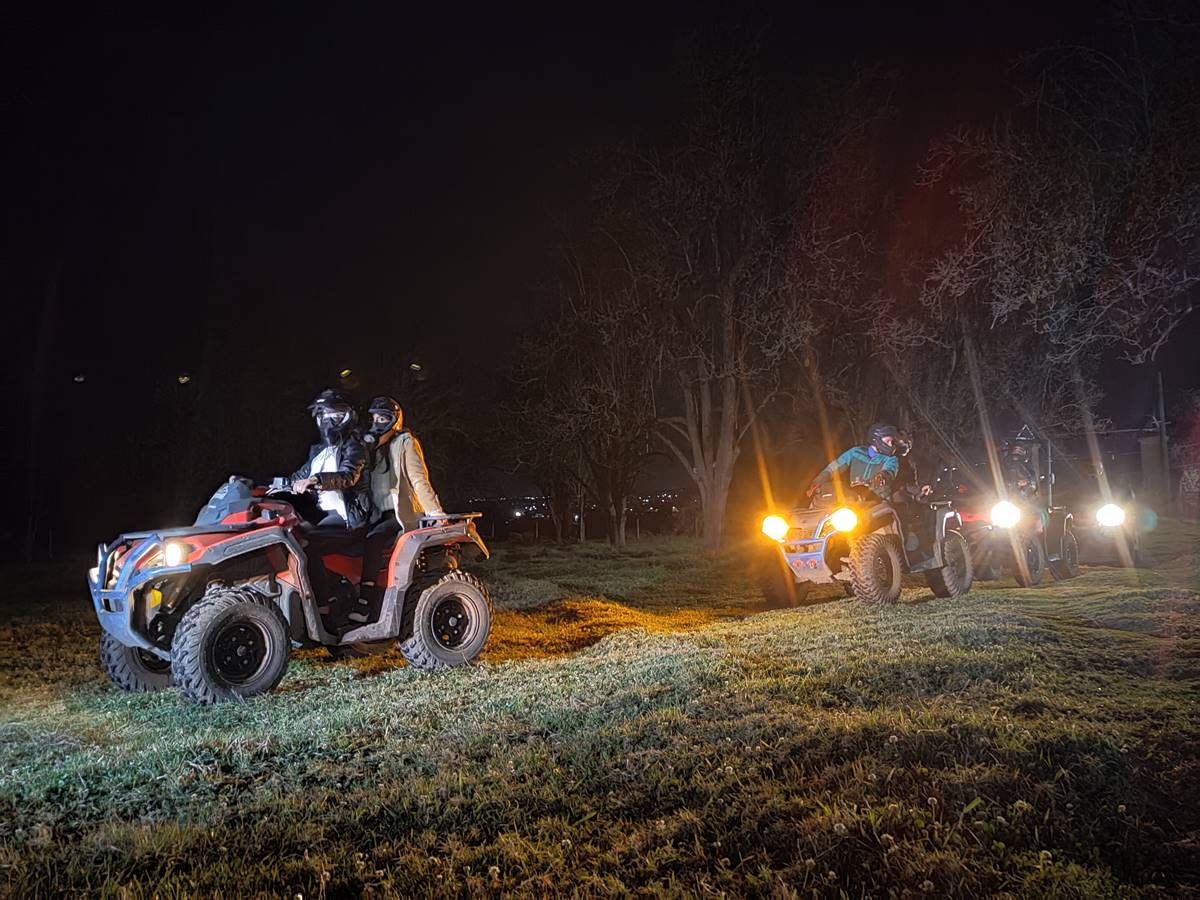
216 608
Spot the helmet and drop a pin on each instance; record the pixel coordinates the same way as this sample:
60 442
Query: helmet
875 439
904 443
334 414
387 418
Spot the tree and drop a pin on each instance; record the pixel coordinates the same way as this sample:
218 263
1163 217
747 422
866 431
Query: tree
585 392
715 220
1081 214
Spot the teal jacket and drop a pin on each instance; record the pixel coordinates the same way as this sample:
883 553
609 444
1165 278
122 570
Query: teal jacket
863 464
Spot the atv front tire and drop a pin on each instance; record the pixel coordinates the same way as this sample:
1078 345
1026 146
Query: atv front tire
232 644
1068 563
778 587
132 668
451 622
1029 550
875 569
954 578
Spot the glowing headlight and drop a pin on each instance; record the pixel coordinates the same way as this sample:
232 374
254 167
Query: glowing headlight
775 527
94 574
1005 514
1110 516
844 519
174 553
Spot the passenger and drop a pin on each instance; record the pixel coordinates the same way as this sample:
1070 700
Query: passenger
335 468
874 464
400 492
904 486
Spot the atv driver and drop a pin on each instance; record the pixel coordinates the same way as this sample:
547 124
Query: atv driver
874 465
335 467
1017 468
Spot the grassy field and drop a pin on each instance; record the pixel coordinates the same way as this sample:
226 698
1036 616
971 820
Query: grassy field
638 724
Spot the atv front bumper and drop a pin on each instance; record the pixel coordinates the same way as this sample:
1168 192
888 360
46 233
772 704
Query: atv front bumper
806 561
115 587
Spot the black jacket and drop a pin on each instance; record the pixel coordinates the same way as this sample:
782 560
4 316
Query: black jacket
351 478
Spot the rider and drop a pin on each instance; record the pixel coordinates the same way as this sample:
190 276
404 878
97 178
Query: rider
904 485
874 464
400 488
335 467
1017 466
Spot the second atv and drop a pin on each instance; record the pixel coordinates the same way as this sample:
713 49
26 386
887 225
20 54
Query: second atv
867 545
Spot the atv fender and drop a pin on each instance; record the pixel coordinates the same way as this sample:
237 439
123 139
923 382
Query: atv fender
402 566
298 563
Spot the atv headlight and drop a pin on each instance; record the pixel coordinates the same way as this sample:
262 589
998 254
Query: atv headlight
1005 514
844 519
1110 516
175 552
776 527
94 574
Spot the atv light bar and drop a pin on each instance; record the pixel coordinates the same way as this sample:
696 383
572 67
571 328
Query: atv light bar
776 528
844 519
1005 514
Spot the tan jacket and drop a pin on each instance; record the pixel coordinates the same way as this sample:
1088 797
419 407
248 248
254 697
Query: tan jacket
401 483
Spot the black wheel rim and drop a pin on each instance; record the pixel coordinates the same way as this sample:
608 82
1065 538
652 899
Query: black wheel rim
452 622
152 662
239 651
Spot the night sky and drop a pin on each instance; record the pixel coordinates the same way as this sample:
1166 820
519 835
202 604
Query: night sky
411 173
327 185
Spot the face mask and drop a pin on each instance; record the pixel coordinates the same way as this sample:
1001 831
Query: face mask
332 424
380 432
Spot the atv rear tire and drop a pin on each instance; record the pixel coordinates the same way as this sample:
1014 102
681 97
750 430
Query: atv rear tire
1067 565
232 644
451 622
875 569
954 578
1030 574
132 668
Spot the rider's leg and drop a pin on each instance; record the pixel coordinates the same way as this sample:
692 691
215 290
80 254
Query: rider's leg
380 539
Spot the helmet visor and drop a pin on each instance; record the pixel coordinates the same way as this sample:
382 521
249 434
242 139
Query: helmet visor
331 417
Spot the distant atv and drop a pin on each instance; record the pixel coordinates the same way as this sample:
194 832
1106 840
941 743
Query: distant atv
1021 539
216 608
1021 536
867 545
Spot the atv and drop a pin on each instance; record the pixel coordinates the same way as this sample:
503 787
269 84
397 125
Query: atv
1010 531
216 608
867 545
